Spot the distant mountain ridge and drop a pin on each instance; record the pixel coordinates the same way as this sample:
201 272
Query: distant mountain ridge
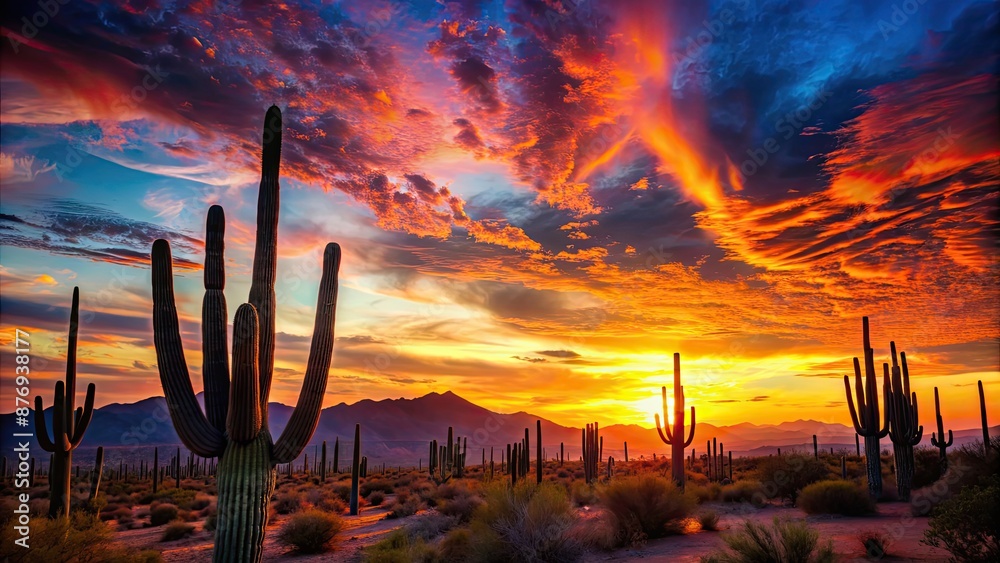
397 431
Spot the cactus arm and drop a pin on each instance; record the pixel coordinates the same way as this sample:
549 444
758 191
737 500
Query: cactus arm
214 315
190 423
243 420
304 419
691 434
916 418
666 423
858 427
265 259
659 430
40 428
83 421
951 439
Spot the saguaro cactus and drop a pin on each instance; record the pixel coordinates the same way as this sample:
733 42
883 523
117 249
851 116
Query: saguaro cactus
69 423
904 428
95 477
538 452
322 464
675 437
937 439
355 469
986 426
866 417
234 425
591 452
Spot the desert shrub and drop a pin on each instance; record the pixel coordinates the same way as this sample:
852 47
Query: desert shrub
645 506
115 512
583 494
527 522
967 524
342 491
162 514
926 467
456 546
199 502
310 531
82 539
705 493
461 506
782 542
176 531
430 526
376 498
211 521
598 532
709 520
371 485
399 547
743 491
322 499
286 503
835 497
403 507
967 466
785 475
875 543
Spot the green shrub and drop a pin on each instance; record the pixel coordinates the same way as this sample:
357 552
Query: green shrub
456 546
709 520
785 475
310 531
82 538
782 542
967 524
527 522
162 514
743 491
645 506
835 497
399 547
176 531
705 493
583 494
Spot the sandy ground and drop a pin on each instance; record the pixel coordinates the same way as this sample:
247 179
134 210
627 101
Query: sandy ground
892 520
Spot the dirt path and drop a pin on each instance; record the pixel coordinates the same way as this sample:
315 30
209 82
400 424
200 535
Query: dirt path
893 520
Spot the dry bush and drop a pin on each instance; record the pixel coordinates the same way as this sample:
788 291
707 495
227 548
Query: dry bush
782 542
311 531
176 531
286 503
875 544
708 520
743 491
646 506
375 498
82 539
160 514
836 497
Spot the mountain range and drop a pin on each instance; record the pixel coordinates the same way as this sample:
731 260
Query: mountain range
397 431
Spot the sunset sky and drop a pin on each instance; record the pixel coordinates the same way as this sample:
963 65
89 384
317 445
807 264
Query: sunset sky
538 201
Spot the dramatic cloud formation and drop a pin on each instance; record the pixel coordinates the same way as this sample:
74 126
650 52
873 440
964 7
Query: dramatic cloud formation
538 202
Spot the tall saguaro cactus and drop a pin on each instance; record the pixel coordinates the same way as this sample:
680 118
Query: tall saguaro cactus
866 418
982 416
937 439
904 428
675 437
95 477
69 422
234 426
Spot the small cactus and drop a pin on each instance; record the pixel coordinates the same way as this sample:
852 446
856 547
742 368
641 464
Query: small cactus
355 469
95 477
982 416
69 422
937 439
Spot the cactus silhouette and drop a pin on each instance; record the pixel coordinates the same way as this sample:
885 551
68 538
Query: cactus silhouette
866 417
904 428
234 426
937 439
69 422
95 477
675 437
